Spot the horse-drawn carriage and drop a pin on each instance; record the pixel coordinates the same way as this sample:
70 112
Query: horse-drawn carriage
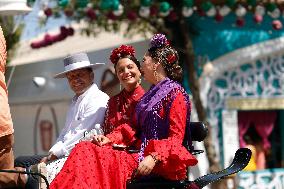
196 131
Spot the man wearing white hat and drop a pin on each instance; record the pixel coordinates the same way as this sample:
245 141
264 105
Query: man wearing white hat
88 106
86 111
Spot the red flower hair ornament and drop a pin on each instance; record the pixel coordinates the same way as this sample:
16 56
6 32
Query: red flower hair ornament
171 58
121 51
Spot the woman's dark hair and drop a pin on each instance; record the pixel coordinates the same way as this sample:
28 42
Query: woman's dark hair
168 57
251 136
124 51
129 57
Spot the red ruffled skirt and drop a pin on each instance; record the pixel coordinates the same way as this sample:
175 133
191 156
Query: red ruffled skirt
93 167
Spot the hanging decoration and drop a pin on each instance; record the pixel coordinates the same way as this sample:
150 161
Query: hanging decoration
258 18
91 14
51 39
208 8
109 4
111 16
277 25
219 17
164 8
146 3
30 3
81 3
224 10
68 12
131 15
41 15
113 9
251 2
48 11
187 9
118 11
154 10
260 10
241 11
173 16
63 3
144 10
275 13
231 3
105 5
240 22
161 9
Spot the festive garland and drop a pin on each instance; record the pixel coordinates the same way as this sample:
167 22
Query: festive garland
51 39
112 10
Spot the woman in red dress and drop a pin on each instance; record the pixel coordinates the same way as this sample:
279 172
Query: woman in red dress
158 132
121 107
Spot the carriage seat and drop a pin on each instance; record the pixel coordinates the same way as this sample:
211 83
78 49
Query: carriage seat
195 131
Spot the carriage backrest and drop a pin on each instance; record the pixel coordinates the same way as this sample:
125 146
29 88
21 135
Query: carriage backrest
195 131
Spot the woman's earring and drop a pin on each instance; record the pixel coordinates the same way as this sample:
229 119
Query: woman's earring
156 75
120 86
139 81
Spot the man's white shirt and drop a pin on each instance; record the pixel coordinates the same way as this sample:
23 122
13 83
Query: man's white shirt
86 113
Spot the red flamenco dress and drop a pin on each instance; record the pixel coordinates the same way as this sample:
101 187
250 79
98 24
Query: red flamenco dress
121 108
162 115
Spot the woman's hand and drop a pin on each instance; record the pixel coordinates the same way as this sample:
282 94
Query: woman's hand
146 166
100 140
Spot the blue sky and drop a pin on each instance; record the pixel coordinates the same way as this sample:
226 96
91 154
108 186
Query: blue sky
32 26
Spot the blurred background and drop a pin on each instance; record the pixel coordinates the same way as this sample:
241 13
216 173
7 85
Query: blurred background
231 52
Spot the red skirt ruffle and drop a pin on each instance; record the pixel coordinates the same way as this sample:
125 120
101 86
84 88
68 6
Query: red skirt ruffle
95 167
175 158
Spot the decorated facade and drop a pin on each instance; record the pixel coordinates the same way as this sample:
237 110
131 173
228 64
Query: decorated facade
242 87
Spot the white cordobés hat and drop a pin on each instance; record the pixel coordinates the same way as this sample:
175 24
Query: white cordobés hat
75 62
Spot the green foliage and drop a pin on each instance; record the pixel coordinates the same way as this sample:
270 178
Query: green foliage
12 34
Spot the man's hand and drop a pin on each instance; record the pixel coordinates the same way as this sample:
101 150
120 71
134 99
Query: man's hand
50 157
45 160
100 140
146 166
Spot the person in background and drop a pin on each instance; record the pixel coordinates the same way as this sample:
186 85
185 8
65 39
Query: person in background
254 143
7 180
161 117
